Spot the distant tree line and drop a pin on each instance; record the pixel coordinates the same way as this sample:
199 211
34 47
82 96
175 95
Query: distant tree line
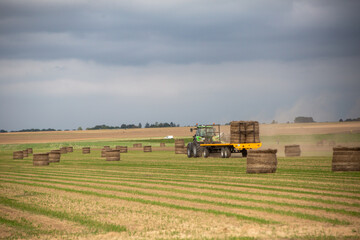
304 120
123 126
161 125
350 120
35 130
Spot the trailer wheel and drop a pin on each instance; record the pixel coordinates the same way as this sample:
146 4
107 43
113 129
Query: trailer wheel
222 152
189 150
196 149
227 152
206 153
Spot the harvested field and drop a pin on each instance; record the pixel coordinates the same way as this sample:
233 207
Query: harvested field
167 195
164 195
177 132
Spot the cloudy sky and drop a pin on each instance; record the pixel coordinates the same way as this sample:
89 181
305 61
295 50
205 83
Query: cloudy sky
65 64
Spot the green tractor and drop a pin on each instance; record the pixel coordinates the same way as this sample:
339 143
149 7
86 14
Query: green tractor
205 134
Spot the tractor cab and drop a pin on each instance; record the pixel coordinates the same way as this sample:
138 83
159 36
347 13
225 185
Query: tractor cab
207 134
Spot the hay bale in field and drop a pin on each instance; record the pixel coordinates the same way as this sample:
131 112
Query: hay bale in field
244 132
112 155
137 145
25 153
69 149
41 159
103 152
261 161
179 142
86 150
346 159
54 156
292 151
162 144
107 147
29 150
181 150
63 150
147 149
180 146
122 149
18 155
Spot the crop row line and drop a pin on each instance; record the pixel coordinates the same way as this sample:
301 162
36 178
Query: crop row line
252 186
108 227
144 201
172 182
196 193
254 178
238 206
177 184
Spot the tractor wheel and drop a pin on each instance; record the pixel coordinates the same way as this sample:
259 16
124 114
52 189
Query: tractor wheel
222 152
227 152
189 149
206 153
244 153
196 149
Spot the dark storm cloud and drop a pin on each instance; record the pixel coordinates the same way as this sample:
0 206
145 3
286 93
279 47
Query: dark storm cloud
195 31
249 60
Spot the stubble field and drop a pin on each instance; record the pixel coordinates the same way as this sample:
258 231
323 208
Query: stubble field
161 195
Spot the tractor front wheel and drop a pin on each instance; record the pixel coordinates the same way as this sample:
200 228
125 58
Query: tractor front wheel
189 149
196 149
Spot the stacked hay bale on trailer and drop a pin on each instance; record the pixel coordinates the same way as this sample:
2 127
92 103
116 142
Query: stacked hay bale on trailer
244 132
292 151
346 159
261 161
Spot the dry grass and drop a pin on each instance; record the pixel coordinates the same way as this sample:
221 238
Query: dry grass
265 130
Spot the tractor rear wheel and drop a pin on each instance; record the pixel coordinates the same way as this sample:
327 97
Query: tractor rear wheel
189 149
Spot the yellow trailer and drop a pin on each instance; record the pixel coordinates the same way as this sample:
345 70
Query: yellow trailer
226 149
207 140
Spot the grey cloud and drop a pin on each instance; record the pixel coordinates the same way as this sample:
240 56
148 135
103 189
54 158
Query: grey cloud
66 63
184 33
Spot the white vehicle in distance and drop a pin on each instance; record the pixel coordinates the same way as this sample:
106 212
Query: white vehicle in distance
169 137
